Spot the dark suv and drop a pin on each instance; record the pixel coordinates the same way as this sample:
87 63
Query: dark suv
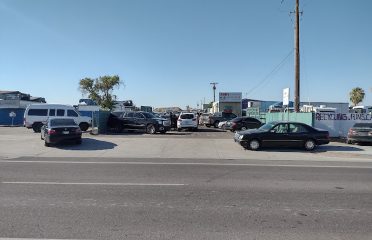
119 121
242 123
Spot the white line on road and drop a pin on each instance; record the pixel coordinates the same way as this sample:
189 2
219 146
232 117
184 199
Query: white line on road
186 163
101 184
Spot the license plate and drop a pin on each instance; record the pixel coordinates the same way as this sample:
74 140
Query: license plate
65 132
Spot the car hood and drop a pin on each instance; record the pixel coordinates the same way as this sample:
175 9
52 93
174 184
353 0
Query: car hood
250 131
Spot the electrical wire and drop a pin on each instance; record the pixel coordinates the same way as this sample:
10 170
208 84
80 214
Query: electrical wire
272 72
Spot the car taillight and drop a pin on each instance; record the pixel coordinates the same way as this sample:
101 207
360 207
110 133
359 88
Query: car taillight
352 132
51 131
77 130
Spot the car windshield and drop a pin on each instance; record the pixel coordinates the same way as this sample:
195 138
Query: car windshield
266 127
187 116
363 125
62 122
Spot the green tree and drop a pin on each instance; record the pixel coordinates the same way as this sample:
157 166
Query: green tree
100 89
356 95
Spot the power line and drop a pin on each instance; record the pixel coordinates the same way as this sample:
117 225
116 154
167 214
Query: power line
276 69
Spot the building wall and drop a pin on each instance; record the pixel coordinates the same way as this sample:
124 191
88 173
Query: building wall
338 124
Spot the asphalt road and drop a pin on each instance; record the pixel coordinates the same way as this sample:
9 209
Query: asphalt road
99 198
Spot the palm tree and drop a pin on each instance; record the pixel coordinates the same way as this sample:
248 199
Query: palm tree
356 95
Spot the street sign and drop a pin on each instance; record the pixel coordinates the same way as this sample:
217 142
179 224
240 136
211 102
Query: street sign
12 114
285 96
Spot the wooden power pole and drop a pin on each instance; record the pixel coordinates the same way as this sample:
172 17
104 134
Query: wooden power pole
297 59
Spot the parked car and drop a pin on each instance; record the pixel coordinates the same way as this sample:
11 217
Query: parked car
187 120
218 117
222 125
282 134
242 123
204 119
57 130
360 133
146 121
37 114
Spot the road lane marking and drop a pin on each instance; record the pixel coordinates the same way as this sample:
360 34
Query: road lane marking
100 184
186 163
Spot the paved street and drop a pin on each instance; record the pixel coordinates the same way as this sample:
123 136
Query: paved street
184 199
181 186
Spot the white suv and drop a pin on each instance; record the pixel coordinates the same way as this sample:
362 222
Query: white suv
187 120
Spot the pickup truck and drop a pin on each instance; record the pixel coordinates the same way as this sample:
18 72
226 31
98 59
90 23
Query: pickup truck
218 117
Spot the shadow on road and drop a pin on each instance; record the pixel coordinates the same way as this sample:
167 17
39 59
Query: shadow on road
329 148
88 144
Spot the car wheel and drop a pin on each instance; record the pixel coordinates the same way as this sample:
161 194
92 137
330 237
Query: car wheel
84 126
243 128
254 144
349 141
309 144
46 144
150 129
216 124
37 127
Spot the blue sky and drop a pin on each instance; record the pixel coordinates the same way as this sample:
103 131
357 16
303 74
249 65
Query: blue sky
168 51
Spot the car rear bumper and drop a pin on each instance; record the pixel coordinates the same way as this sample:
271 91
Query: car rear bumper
359 138
62 138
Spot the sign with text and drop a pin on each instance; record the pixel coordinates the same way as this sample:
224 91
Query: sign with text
230 97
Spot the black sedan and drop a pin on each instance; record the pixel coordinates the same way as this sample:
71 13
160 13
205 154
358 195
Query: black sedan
282 134
360 133
58 130
242 123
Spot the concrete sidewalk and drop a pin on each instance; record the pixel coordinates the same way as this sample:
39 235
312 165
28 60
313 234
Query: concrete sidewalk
24 143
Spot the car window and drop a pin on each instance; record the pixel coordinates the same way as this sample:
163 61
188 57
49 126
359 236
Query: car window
297 128
38 112
150 115
129 114
72 113
52 112
62 122
60 112
281 128
138 115
253 120
187 116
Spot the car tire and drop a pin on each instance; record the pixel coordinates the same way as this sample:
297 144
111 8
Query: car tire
37 127
254 144
46 144
309 145
349 141
243 128
150 129
84 126
216 124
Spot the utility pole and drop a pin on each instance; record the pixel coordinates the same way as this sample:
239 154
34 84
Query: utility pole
297 60
214 90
